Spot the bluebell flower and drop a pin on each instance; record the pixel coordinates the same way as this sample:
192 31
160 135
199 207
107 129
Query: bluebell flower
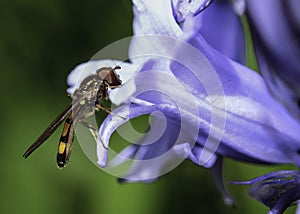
277 190
276 33
203 104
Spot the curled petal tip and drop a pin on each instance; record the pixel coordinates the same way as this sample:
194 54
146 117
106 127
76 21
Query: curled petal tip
102 156
101 164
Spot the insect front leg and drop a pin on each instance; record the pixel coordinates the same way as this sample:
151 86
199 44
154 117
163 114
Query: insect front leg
107 110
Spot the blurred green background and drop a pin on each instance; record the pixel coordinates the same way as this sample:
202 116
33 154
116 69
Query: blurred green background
40 43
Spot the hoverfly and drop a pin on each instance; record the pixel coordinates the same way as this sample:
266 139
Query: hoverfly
92 91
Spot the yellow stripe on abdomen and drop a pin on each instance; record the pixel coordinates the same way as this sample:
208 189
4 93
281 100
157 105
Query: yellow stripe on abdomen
61 147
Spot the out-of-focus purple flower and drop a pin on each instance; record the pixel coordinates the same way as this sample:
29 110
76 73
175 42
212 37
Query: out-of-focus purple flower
277 190
275 25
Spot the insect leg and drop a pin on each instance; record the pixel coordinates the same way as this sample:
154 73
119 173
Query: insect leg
93 131
107 110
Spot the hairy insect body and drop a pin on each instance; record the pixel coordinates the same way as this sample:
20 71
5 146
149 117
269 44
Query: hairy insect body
86 99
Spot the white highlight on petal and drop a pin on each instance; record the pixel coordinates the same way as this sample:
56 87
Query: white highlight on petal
101 153
127 93
184 8
239 6
207 158
154 17
182 150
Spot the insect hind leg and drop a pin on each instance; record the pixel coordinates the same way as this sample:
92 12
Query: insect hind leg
93 132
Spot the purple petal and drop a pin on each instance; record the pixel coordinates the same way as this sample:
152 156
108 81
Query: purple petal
219 24
222 29
256 124
217 171
286 200
125 154
152 157
277 190
298 209
292 8
183 8
202 157
281 174
154 17
274 23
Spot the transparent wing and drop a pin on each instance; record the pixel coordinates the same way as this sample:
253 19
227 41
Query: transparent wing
49 130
